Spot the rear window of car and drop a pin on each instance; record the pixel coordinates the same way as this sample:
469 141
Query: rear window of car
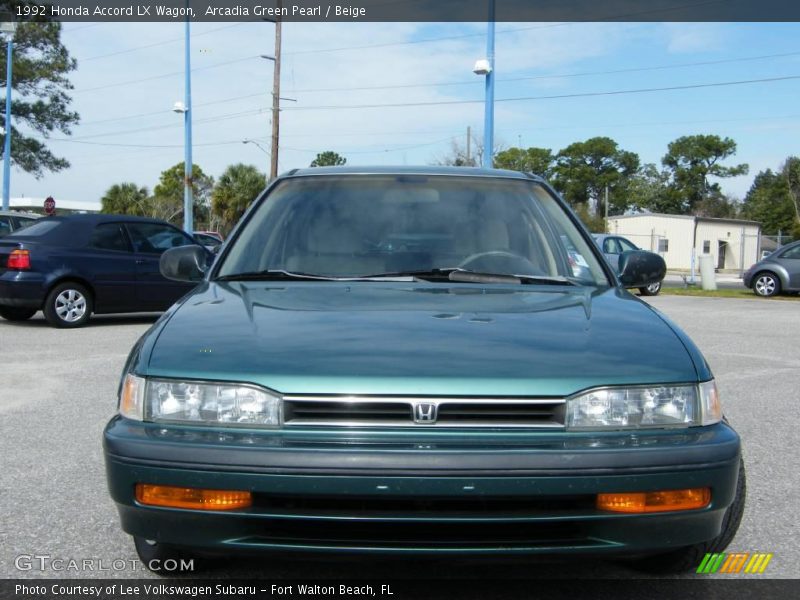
41 227
25 222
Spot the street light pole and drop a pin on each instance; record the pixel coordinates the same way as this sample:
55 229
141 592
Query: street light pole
188 202
276 102
8 28
488 123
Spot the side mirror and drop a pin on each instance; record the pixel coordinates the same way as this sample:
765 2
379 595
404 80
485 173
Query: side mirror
186 263
638 268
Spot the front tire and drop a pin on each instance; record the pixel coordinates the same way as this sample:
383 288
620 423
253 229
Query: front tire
68 305
650 290
17 313
689 558
766 284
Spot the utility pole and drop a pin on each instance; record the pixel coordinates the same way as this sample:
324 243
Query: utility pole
276 100
488 125
469 154
605 224
9 28
188 201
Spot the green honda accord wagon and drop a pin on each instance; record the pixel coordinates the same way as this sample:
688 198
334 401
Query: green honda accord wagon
420 361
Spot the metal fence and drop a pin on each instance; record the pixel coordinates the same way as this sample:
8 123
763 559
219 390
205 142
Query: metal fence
776 240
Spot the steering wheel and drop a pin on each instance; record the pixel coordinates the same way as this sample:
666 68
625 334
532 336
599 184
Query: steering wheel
491 254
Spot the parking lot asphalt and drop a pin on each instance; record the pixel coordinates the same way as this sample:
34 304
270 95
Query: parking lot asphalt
58 389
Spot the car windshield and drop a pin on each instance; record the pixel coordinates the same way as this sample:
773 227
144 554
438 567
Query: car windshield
40 227
353 226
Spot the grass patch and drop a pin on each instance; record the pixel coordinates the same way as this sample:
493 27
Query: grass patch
743 293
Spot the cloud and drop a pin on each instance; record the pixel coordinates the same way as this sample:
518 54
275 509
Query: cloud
686 38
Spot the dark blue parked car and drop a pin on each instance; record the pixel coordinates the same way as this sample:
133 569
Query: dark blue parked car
73 266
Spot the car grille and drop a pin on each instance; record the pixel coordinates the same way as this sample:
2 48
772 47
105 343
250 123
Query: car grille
422 412
427 535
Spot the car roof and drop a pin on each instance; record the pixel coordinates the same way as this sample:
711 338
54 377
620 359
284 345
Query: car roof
79 228
96 218
16 213
408 170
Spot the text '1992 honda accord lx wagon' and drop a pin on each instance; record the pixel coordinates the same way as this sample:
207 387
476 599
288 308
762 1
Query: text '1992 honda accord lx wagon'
407 361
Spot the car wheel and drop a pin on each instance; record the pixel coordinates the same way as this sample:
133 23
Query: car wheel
162 559
650 290
689 558
767 284
68 304
17 313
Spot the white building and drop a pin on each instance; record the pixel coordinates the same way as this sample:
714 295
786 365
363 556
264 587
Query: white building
62 206
680 239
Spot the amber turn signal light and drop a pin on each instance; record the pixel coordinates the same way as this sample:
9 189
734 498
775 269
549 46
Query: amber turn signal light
197 499
662 501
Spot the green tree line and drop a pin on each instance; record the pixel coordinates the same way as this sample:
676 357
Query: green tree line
686 182
217 205
587 173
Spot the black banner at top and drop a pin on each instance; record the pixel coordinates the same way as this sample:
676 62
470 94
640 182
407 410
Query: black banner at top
403 10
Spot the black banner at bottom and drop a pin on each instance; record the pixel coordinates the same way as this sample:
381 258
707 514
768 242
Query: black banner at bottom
707 588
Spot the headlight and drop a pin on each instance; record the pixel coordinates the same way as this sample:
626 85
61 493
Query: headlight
645 407
162 400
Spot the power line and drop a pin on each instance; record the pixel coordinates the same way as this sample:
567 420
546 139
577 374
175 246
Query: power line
610 18
252 112
551 97
163 75
230 142
165 111
457 83
153 45
555 76
214 119
406 132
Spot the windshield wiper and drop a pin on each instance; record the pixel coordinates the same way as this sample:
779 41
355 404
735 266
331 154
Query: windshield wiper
283 275
274 275
444 274
466 276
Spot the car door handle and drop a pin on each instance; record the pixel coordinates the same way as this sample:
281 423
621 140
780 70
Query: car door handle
140 261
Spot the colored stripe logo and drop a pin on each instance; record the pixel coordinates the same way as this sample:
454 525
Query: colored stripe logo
734 562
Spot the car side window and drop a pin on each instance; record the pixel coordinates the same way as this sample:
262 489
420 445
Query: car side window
5 225
155 238
625 245
109 236
611 246
792 253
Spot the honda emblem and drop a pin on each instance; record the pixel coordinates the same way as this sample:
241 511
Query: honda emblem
425 412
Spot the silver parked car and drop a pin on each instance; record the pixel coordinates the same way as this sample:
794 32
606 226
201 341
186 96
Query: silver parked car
13 220
613 246
776 273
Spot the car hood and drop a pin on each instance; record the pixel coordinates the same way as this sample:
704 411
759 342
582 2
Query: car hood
416 338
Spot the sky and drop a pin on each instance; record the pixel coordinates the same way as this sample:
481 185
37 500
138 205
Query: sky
129 76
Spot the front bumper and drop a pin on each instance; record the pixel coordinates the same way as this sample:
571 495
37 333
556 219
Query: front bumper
405 492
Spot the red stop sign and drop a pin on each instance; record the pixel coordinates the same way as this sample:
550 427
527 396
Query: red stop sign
50 206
